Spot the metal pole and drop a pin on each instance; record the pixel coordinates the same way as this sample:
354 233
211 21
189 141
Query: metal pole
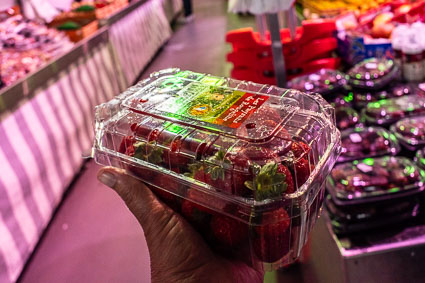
277 50
261 26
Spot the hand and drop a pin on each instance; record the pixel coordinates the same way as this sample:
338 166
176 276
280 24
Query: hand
177 252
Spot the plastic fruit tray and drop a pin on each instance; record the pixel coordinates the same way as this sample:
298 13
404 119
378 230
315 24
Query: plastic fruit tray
387 111
360 143
244 163
365 217
375 179
410 132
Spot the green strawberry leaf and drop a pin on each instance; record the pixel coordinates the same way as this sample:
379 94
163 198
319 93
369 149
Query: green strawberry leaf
268 182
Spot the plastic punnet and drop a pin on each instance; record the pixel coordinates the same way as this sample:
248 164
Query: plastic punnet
244 163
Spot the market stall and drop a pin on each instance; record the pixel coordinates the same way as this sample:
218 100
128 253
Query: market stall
47 120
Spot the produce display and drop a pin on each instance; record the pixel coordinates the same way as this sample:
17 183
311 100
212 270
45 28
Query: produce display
27 45
360 143
410 132
244 163
373 179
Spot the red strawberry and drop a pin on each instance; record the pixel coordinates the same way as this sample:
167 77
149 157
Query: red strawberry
273 237
213 172
167 183
300 149
126 145
196 215
227 230
302 169
258 153
241 173
289 180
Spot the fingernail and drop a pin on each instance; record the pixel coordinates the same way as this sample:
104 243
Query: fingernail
108 179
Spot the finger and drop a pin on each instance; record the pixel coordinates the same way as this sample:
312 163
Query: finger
137 196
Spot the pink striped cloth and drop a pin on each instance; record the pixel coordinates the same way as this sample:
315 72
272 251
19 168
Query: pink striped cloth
42 142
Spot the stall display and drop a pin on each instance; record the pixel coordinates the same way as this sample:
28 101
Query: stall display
27 45
373 192
235 153
360 143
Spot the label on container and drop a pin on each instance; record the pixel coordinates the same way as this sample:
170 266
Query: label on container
241 110
214 104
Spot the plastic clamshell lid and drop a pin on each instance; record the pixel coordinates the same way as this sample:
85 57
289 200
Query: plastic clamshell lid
362 98
374 179
372 73
323 81
410 131
360 143
178 119
390 110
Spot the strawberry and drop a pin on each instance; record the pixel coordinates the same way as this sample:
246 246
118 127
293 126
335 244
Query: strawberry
272 239
290 187
212 172
227 230
302 169
300 149
196 215
126 146
241 173
272 180
258 153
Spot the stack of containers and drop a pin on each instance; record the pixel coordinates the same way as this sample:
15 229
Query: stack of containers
245 163
310 51
377 183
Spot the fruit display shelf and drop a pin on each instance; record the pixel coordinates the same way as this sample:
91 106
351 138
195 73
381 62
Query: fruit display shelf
390 255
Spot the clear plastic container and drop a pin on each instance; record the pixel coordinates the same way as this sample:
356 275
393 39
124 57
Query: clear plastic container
346 117
365 217
324 81
410 132
244 163
362 98
413 62
374 179
373 73
388 111
360 143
